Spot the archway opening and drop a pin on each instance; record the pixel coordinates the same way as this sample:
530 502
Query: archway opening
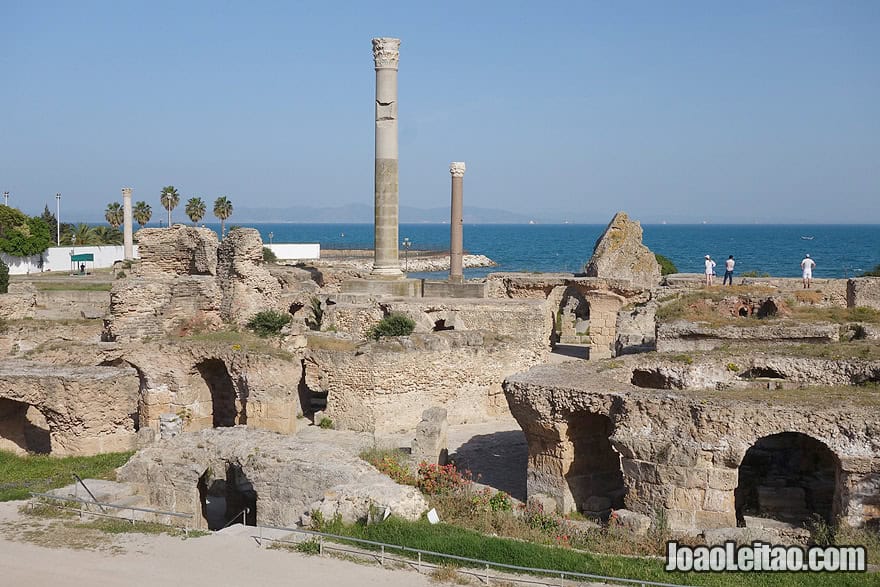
223 396
227 500
140 408
789 477
23 428
595 478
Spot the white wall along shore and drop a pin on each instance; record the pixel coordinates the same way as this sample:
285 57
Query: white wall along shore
58 258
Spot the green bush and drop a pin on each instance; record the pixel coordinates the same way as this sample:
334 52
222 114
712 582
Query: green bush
875 272
754 274
326 423
393 325
667 267
4 277
268 255
268 322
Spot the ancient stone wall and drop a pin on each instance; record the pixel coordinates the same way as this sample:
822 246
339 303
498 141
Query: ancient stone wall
246 283
680 452
19 302
385 386
211 385
682 336
287 476
67 410
863 291
619 253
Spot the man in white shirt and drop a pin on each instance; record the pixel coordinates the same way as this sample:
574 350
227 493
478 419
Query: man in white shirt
728 271
807 267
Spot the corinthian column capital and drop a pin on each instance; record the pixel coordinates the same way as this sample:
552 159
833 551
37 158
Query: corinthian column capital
386 52
126 192
456 168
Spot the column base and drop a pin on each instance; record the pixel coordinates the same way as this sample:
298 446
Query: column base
386 272
451 289
382 286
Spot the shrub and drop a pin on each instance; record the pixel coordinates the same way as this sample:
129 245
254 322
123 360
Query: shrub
875 272
391 462
754 273
268 255
441 479
393 325
667 267
317 314
268 322
4 277
326 423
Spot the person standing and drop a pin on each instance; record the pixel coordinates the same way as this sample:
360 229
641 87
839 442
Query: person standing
710 270
807 267
728 271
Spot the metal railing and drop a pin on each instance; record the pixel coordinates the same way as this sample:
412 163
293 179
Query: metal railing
242 514
89 491
130 518
476 567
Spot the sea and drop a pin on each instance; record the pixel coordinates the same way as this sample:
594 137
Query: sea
838 250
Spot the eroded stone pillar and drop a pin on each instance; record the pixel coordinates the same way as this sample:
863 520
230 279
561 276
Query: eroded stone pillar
128 247
386 54
456 238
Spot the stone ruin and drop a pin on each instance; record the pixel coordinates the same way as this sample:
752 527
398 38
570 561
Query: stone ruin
186 281
688 444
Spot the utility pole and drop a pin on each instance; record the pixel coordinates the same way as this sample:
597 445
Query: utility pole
58 219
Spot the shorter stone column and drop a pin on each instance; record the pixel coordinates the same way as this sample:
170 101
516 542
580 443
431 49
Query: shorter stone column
456 238
128 246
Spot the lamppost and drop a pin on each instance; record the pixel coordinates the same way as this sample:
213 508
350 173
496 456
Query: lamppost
58 219
271 234
406 245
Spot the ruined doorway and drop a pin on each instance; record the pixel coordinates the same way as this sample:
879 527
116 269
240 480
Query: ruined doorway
223 395
595 478
23 428
224 499
789 477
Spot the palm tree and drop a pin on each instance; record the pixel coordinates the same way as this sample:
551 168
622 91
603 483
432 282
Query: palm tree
222 210
169 199
142 213
195 209
85 235
114 214
106 235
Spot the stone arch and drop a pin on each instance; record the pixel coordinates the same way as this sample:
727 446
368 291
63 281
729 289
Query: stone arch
594 477
140 414
227 409
23 428
223 499
790 477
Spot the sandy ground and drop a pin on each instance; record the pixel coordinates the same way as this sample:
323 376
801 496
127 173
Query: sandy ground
495 452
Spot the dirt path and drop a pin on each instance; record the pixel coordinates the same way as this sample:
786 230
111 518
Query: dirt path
209 561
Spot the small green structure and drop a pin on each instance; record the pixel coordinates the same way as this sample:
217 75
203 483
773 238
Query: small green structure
78 263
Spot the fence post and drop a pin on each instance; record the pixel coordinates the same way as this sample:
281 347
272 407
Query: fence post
420 562
487 574
321 545
261 536
382 560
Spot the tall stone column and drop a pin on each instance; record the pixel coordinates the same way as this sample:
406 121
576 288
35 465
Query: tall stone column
456 238
386 54
128 247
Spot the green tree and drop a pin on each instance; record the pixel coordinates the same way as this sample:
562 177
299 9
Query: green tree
195 209
169 199
114 214
49 218
222 210
142 212
85 236
107 235
4 278
21 236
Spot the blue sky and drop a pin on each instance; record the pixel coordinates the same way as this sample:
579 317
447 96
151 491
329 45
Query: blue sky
678 111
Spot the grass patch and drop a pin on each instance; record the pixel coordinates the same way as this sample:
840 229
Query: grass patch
468 543
119 526
836 315
22 474
238 341
71 286
329 343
